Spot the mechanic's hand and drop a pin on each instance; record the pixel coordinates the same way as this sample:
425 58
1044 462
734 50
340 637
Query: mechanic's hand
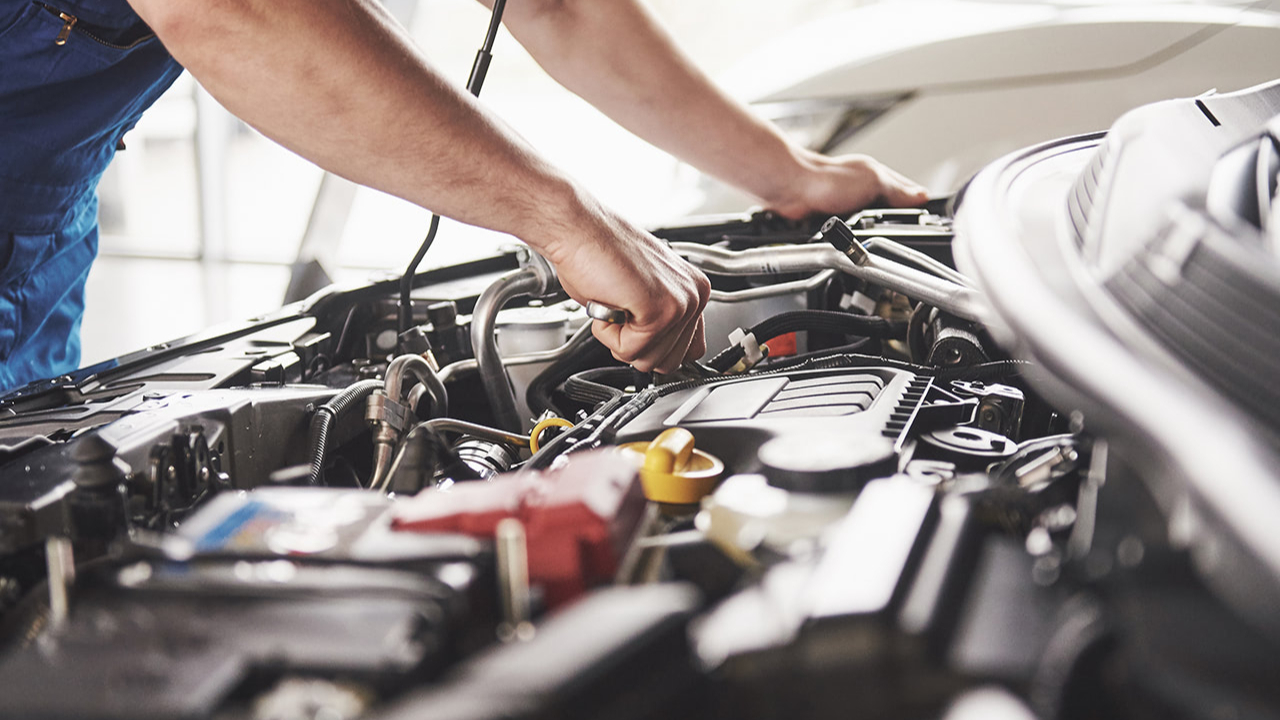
622 266
845 183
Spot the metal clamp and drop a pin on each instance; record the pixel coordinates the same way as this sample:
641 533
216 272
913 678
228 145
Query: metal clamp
382 409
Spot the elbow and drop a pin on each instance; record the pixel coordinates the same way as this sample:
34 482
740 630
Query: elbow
545 13
167 18
181 24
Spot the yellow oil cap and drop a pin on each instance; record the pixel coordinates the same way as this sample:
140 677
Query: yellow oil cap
673 471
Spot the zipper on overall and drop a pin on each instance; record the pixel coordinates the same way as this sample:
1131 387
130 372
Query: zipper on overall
69 24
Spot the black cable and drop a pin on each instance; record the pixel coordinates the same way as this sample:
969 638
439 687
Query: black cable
406 282
542 459
318 435
474 82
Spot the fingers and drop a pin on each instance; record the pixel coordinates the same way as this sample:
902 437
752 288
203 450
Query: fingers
848 183
661 336
698 342
621 266
683 344
656 346
900 191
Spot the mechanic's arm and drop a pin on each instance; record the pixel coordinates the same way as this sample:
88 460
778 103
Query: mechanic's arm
613 54
340 83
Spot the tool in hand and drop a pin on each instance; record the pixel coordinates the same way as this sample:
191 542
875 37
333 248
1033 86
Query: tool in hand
611 315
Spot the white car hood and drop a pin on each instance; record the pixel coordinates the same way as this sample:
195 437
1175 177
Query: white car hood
913 45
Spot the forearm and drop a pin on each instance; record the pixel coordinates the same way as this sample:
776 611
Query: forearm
613 54
338 82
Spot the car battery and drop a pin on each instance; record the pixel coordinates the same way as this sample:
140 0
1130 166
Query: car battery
256 587
317 525
578 519
161 639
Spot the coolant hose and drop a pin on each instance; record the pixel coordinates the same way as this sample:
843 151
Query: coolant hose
493 375
318 434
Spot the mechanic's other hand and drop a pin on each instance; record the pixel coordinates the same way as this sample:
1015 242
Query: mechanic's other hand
843 184
613 262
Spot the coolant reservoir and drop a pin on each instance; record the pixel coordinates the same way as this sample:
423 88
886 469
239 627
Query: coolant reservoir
747 513
526 330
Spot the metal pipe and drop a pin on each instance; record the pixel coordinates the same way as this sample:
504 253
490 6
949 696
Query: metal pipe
417 367
463 427
771 291
943 294
454 369
892 247
493 375
383 448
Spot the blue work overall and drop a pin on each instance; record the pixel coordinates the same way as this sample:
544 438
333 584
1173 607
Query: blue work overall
75 75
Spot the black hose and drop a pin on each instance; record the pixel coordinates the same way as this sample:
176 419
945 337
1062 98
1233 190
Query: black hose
838 323
915 332
424 453
318 435
594 386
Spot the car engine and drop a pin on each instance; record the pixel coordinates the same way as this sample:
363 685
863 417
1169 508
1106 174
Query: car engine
879 495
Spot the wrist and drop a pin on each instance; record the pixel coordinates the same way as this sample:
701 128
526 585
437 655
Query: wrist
794 188
561 212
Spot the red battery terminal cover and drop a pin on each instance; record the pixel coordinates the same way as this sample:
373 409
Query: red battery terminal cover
578 519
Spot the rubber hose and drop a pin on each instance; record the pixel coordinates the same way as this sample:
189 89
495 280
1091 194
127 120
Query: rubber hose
318 434
493 374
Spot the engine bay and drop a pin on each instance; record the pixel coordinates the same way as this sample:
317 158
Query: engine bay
859 503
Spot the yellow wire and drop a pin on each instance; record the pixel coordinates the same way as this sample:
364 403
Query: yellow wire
537 430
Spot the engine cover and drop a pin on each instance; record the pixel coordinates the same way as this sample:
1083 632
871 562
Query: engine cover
731 419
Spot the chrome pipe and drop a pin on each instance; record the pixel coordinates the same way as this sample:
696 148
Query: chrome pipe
943 294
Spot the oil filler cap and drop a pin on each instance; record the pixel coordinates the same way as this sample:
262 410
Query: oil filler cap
675 472
826 464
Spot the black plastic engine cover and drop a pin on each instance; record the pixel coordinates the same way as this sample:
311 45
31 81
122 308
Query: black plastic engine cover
731 419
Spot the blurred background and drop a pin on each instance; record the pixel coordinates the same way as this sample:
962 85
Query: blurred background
202 217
